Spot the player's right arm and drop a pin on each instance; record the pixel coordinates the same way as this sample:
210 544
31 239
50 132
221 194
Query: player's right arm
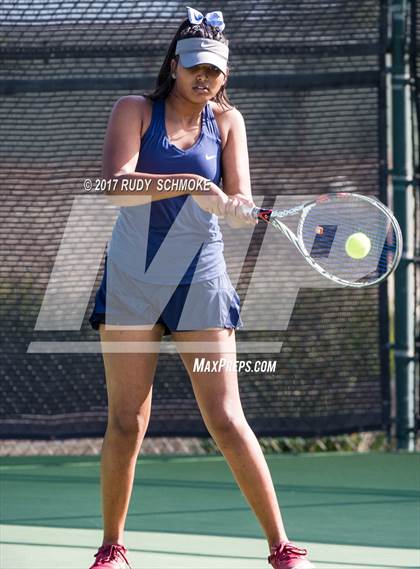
120 156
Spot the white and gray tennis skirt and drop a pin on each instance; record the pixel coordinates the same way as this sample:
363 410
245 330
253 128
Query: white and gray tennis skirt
123 300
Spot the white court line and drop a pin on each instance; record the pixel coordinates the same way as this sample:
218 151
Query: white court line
53 548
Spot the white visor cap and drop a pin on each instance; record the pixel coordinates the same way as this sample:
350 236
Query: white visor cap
195 51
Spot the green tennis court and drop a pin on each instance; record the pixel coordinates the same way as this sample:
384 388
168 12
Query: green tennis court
355 511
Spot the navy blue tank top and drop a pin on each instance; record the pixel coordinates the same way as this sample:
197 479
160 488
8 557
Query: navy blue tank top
172 241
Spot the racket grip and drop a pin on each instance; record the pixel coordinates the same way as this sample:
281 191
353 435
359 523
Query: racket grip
247 210
256 212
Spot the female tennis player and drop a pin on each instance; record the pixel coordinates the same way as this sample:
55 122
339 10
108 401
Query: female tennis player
186 130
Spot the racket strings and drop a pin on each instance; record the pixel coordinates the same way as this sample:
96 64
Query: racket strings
329 226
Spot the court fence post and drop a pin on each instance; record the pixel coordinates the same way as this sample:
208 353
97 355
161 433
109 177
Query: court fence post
403 201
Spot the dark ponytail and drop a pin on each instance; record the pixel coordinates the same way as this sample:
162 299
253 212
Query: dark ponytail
165 81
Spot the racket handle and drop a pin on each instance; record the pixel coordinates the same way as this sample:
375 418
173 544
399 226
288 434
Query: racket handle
256 212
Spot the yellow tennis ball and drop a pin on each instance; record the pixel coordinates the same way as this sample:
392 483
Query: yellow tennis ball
358 246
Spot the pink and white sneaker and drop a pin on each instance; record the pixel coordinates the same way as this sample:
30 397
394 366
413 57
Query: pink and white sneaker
111 557
289 556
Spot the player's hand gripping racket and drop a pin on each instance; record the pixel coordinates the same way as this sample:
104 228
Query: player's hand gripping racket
351 239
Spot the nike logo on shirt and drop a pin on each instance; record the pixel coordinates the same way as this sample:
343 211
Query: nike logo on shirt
210 157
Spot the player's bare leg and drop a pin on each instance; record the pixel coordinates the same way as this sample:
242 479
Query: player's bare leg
129 379
217 395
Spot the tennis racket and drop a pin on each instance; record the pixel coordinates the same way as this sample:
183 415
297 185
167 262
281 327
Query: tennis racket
351 239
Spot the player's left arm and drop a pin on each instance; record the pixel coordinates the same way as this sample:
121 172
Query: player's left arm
235 164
